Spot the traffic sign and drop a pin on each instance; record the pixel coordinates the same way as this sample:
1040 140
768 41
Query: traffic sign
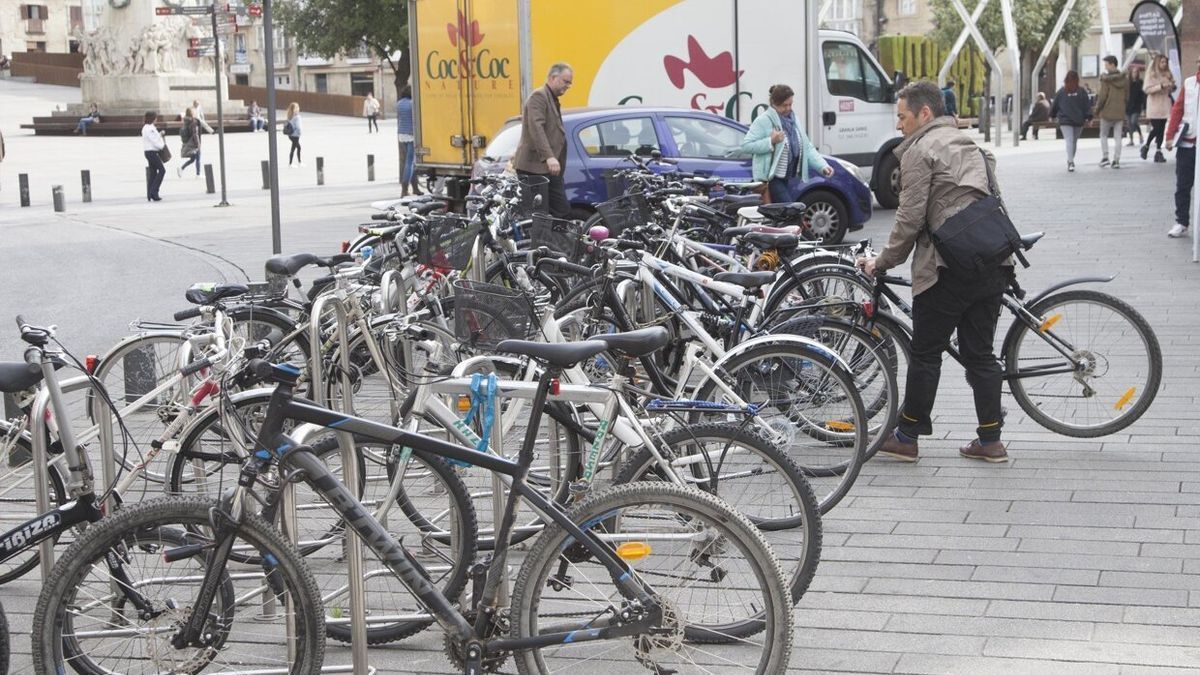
165 11
254 10
201 52
201 42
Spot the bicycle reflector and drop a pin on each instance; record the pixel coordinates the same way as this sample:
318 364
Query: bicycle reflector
838 425
868 308
1049 323
633 550
345 246
90 363
1125 398
464 403
555 386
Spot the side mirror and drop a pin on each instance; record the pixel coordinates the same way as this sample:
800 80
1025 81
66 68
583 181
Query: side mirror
899 79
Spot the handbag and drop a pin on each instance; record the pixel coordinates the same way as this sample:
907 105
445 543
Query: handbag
977 240
164 154
288 129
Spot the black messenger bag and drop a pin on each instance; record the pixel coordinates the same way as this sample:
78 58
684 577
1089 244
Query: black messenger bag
978 239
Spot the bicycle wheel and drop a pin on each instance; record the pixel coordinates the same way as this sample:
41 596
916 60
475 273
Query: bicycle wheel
750 474
288 343
5 650
715 577
18 501
809 404
827 287
431 515
86 616
1120 364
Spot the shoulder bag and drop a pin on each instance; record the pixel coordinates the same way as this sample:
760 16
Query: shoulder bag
164 154
977 240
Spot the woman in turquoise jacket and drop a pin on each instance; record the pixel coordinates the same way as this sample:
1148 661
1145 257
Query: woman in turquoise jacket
780 148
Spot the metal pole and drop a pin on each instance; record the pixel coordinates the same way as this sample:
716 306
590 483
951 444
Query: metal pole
218 69
272 144
960 43
56 194
23 183
85 177
320 171
209 185
991 59
812 62
1105 29
1010 37
1041 60
370 168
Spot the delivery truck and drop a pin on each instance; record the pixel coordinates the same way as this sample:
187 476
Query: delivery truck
476 61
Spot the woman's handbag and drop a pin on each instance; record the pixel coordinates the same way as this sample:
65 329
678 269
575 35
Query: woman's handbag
164 154
977 240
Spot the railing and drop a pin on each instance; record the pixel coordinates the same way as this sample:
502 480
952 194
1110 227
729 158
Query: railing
35 27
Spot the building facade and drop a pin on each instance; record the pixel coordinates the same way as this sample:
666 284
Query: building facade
44 27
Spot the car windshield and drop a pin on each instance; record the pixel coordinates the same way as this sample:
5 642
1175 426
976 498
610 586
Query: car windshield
505 143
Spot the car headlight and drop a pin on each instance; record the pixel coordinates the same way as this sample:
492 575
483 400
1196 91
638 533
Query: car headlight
851 169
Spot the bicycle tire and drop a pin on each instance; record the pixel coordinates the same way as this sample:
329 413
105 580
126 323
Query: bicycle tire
5 647
20 564
832 284
1069 305
150 525
795 496
658 504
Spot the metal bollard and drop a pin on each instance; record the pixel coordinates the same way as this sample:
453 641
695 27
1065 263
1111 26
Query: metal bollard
320 171
85 177
23 179
266 171
209 185
370 168
56 192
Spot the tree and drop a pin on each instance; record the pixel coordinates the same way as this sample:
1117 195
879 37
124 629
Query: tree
326 27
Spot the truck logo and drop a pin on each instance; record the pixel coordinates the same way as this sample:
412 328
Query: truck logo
480 65
468 33
715 71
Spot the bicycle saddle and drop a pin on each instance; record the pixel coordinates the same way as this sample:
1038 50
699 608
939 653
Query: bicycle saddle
731 203
746 279
783 212
635 343
1028 240
702 182
426 208
291 264
207 294
558 354
765 229
19 376
765 240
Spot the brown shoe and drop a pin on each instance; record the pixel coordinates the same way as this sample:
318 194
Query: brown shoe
898 449
993 451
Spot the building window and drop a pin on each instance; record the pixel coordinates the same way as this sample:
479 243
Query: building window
906 7
321 83
34 12
359 52
362 84
241 79
76 18
260 42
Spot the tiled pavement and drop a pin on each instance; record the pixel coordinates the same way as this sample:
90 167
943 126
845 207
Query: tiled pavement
1078 556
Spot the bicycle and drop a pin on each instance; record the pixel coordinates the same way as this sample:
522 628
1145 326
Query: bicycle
616 534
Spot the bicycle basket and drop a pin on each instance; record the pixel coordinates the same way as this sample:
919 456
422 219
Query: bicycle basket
531 187
614 183
624 212
487 314
558 235
448 243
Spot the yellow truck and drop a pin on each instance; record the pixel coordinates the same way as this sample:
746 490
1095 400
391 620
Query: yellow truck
475 62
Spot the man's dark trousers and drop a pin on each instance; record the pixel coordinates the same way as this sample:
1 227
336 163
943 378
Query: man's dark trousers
554 195
972 307
1185 176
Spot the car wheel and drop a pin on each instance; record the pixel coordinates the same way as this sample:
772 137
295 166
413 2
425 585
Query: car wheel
887 184
826 217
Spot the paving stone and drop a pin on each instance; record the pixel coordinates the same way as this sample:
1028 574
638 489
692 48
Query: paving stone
1059 560
841 661
1120 596
962 589
931 664
1036 575
989 626
1099 652
1062 611
1163 536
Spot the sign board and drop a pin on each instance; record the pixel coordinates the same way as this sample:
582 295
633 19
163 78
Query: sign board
240 69
201 42
254 10
201 52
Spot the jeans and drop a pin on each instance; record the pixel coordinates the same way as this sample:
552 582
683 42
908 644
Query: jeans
194 159
1071 136
1133 124
1185 175
295 150
1117 129
372 121
155 173
971 307
554 195
1158 130
258 124
407 159
778 189
1025 129
83 124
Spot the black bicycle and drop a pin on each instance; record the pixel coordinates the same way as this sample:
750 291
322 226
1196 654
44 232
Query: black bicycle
645 574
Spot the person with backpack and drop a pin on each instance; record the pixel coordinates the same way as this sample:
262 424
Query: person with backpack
942 173
291 129
1072 108
189 135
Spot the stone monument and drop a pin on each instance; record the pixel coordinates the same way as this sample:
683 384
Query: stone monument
136 60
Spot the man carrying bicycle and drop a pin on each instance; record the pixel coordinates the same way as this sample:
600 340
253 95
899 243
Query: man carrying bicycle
941 173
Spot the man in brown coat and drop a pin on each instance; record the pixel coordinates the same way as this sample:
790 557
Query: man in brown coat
941 173
542 150
1110 108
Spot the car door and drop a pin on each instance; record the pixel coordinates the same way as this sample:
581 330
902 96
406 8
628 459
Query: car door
605 143
856 103
706 144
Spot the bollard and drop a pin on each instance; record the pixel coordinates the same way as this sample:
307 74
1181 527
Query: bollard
370 168
320 171
209 185
23 179
56 192
85 177
266 170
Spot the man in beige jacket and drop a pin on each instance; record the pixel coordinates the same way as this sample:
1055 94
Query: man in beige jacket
1110 108
941 173
542 150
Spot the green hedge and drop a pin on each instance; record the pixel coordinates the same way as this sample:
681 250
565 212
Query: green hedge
921 58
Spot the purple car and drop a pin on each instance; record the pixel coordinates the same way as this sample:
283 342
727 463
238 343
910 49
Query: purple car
602 138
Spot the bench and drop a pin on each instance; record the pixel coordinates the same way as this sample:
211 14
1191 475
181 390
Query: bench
63 124
1090 130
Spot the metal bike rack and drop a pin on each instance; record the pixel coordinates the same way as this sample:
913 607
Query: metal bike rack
354 559
395 301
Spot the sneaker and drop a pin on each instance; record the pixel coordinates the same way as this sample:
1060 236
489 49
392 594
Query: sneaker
898 449
1071 167
1103 162
1158 157
992 451
1145 151
1116 164
1177 231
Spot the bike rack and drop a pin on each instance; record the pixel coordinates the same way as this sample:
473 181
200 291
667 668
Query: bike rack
395 301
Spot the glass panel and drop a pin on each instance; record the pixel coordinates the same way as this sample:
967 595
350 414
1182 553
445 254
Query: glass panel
705 139
618 138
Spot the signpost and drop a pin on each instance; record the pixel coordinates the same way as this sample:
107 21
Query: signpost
218 69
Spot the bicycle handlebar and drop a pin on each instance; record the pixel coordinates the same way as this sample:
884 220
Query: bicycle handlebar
185 314
195 367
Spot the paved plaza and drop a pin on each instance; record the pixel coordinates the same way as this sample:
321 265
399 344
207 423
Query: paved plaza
1078 556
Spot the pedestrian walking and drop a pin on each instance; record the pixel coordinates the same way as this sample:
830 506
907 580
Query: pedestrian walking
1159 85
1135 104
371 112
950 97
1 146
291 129
87 120
1038 112
198 113
542 150
152 145
189 134
1110 108
780 151
1072 108
404 138
941 173
257 121
1185 108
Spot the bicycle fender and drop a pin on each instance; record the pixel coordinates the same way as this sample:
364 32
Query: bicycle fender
805 342
464 368
1070 282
